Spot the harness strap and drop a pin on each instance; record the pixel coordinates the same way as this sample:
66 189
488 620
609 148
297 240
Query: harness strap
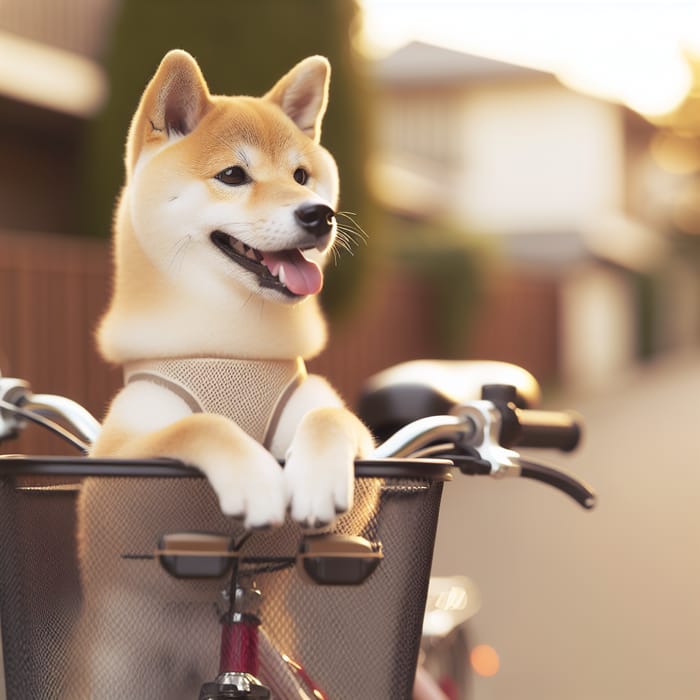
252 393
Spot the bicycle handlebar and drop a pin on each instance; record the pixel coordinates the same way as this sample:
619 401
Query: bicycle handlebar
556 429
18 404
477 434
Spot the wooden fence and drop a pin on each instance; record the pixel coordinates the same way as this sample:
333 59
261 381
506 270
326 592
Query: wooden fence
54 288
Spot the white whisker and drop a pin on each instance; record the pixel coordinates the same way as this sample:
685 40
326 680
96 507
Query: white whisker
349 235
247 300
179 250
355 226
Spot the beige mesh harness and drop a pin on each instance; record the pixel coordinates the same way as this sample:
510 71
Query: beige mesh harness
252 393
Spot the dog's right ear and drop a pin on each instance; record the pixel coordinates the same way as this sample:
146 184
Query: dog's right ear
302 94
173 103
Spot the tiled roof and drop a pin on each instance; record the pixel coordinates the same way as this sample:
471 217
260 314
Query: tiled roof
418 63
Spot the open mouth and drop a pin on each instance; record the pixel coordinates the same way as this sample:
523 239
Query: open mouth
286 271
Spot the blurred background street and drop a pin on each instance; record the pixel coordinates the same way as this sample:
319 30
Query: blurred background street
527 179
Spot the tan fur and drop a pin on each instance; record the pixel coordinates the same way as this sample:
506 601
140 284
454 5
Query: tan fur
177 295
142 296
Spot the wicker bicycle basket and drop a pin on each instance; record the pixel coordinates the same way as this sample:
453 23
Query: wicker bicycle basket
87 612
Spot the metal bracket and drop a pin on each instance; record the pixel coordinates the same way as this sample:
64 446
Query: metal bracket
15 392
486 420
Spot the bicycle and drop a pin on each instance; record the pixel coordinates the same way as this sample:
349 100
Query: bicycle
366 577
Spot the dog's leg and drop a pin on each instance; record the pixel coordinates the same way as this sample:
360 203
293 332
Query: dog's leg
146 420
319 469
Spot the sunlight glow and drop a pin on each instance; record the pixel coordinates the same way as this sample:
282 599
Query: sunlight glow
484 660
629 51
49 77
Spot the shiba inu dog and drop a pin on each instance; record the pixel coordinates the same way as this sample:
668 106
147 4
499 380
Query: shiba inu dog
221 235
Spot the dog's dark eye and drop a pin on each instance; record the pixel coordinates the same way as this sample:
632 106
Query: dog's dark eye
301 176
234 176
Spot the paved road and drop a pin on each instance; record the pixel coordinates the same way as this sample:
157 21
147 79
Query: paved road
601 605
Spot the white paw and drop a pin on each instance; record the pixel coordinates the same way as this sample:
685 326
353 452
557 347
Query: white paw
319 482
251 488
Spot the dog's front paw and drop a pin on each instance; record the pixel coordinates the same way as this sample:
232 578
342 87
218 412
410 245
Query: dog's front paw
319 483
320 468
253 490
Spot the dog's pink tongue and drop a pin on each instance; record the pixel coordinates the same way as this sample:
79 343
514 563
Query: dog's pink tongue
301 276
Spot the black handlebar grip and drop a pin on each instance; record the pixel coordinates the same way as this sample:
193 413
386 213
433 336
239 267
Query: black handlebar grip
554 429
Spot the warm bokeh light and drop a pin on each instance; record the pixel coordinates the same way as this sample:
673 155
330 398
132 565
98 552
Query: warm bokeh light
686 208
50 77
484 660
676 153
629 51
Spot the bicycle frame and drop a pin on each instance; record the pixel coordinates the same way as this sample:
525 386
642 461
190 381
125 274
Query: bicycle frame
239 663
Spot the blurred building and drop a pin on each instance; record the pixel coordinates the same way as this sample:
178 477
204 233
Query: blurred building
52 287
559 178
562 182
51 83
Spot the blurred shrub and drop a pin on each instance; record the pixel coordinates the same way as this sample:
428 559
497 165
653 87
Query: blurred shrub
454 266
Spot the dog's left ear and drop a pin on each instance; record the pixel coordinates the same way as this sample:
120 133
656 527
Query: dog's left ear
302 94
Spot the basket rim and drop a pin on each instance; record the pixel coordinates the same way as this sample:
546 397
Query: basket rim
37 465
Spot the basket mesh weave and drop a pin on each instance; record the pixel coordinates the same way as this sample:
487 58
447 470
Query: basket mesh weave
81 621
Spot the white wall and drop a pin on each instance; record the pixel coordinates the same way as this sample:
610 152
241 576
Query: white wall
537 158
598 327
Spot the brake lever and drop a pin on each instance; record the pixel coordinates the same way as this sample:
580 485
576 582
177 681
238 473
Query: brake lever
482 454
579 490
571 485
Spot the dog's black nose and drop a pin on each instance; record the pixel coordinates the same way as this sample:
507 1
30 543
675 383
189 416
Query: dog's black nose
317 219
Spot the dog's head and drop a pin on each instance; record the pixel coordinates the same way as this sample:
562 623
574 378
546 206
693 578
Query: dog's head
233 191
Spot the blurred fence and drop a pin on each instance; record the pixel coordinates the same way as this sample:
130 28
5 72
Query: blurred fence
54 288
52 291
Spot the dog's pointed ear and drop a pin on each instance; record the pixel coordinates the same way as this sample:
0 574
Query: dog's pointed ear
302 94
173 103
